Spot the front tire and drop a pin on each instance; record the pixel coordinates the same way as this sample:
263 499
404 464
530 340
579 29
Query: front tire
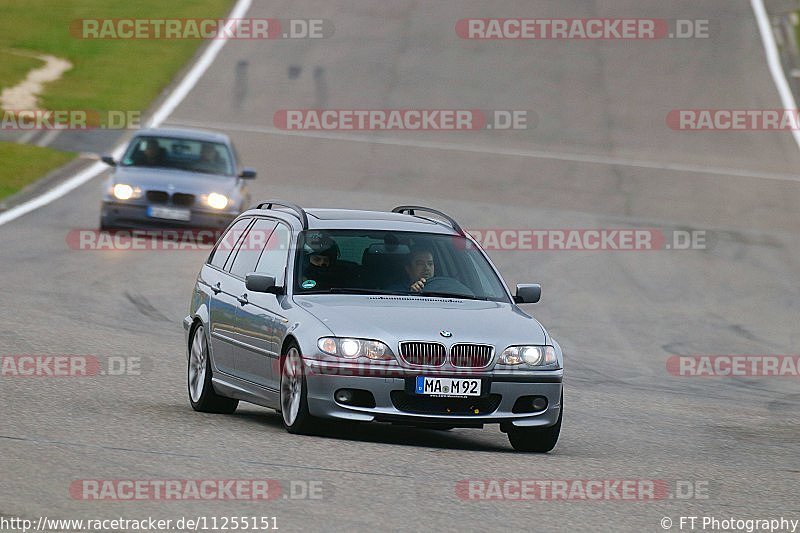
537 440
294 394
201 391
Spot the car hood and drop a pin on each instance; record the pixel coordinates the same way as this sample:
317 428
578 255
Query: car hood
182 181
395 318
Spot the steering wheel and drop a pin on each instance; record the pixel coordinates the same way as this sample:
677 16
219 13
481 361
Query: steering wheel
445 284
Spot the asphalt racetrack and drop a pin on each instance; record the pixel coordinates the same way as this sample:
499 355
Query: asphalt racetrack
599 155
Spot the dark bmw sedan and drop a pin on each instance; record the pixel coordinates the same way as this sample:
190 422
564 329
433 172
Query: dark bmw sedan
175 178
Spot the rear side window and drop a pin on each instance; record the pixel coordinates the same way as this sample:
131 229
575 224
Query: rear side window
251 246
227 243
276 254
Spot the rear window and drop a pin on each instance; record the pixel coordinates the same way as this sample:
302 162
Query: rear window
227 243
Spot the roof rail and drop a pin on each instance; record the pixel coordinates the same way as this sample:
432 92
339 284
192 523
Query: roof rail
297 211
410 209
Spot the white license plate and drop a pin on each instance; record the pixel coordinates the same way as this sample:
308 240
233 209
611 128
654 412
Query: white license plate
170 213
447 386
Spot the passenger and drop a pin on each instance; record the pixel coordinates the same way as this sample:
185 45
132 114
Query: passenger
210 160
320 269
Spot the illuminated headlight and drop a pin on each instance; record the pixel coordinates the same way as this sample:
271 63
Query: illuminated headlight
350 347
355 348
123 191
217 200
530 355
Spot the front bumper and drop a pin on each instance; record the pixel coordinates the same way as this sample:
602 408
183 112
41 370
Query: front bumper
393 403
134 216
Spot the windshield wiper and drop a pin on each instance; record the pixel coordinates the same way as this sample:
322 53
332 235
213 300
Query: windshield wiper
452 295
355 290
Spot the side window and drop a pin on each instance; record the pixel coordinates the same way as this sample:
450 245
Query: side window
227 243
276 254
251 246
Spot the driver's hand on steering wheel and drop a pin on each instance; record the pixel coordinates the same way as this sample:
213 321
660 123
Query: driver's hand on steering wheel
418 285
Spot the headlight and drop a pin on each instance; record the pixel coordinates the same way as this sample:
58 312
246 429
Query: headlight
355 348
530 355
217 200
123 191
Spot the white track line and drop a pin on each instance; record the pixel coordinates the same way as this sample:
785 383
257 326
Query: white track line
167 106
571 157
774 60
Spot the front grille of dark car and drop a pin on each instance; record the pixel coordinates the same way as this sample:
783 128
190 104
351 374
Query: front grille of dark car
182 199
157 197
162 197
413 403
423 353
471 355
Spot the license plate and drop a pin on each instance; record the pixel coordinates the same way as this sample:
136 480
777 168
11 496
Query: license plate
170 213
429 386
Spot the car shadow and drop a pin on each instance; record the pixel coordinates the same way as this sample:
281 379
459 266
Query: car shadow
384 433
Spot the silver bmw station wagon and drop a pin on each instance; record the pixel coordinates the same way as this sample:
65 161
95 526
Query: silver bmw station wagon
363 316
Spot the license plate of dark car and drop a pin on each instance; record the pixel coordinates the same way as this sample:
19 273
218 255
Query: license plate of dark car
169 213
435 386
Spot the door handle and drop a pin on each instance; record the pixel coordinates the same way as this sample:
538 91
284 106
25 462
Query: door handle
242 299
217 288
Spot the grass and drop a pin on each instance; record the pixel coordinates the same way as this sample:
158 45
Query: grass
14 68
107 74
24 164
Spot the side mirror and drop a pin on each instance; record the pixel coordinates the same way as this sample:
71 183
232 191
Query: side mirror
248 173
261 283
528 293
108 160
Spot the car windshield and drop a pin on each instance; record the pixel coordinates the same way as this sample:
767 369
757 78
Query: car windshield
182 154
393 262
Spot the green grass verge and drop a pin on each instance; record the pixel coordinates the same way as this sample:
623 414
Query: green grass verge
24 164
14 68
106 75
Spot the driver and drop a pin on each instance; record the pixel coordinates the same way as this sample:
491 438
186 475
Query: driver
419 267
152 156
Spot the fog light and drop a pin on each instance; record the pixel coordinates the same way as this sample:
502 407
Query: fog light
530 404
540 403
343 396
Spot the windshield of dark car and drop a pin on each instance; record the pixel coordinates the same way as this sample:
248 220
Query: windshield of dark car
390 262
181 154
